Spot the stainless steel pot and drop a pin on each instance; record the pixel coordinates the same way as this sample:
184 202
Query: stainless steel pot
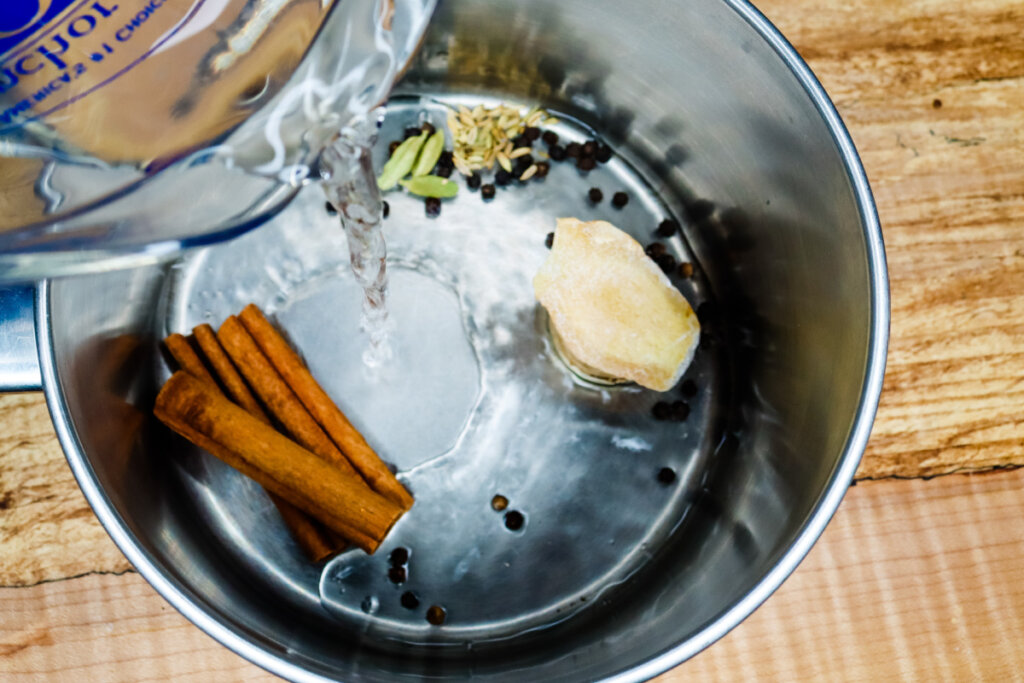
717 114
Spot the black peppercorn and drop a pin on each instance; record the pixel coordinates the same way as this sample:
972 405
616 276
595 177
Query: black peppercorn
549 241
661 411
520 141
487 191
502 177
412 132
556 152
432 207
595 195
604 154
473 181
542 169
667 263
331 211
590 148
573 150
397 575
514 520
385 209
666 475
522 163
550 137
667 228
443 171
398 557
586 164
620 199
655 249
409 600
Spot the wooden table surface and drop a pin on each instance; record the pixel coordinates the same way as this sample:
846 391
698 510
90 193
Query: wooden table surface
918 577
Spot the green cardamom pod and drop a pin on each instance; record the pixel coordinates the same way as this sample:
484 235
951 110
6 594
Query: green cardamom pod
401 162
429 155
431 186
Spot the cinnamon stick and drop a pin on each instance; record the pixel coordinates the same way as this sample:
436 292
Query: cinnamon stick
206 339
187 359
279 399
314 540
322 408
340 501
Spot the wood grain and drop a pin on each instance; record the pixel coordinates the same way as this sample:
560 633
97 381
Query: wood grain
913 580
47 529
933 94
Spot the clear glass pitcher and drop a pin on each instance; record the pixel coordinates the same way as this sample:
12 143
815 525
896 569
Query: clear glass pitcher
130 129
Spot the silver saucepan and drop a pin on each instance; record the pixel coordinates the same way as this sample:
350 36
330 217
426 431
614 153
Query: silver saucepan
716 122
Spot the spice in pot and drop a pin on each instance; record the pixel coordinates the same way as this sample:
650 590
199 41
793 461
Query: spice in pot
685 269
487 191
667 263
666 475
398 556
409 600
550 137
667 228
397 575
604 154
543 168
432 207
557 153
436 615
474 181
620 199
595 195
499 503
484 136
528 173
661 411
514 520
586 164
654 250
573 150
549 241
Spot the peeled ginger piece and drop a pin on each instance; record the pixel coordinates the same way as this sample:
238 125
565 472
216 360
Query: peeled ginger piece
612 308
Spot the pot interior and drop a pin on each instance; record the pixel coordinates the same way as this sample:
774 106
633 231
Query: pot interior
613 567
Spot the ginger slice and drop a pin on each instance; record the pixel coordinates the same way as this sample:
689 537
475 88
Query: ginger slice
612 308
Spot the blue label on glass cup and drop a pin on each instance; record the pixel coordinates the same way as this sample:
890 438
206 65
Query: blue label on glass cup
55 52
22 19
